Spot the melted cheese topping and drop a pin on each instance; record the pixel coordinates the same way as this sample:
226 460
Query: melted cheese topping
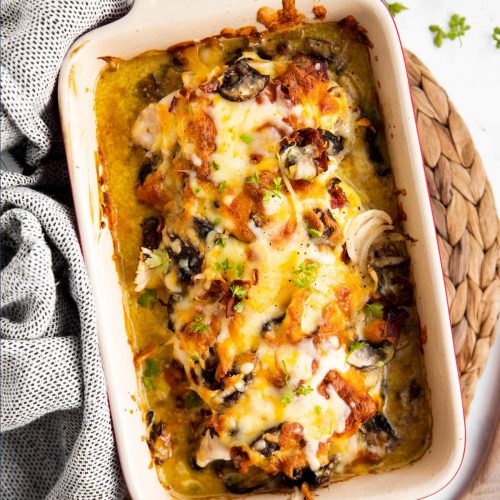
298 303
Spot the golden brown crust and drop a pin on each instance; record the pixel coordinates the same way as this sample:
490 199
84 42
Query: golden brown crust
361 404
281 18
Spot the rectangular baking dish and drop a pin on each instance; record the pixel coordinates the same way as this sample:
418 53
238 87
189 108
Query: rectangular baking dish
157 24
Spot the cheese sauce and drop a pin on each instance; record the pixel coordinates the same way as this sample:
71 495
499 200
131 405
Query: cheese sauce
265 276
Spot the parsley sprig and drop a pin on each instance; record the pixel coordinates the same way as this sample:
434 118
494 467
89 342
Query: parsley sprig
150 370
238 291
198 325
374 310
305 274
302 390
496 36
275 191
457 29
158 258
395 8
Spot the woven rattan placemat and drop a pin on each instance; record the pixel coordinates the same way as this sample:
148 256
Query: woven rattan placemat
467 225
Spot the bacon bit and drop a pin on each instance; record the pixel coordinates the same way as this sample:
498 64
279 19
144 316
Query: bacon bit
255 276
351 27
290 329
200 341
173 105
344 255
303 77
240 459
315 365
304 488
229 305
255 158
337 196
314 221
361 404
393 324
217 289
401 192
319 11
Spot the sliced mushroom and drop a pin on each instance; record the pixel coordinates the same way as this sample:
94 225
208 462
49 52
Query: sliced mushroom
319 48
202 227
241 82
239 483
367 357
151 232
335 142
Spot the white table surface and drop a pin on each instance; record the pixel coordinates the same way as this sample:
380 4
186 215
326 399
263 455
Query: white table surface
471 75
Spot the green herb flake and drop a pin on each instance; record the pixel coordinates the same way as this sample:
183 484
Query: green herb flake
305 274
374 310
239 307
304 390
253 179
220 242
222 266
192 400
314 232
197 190
147 298
222 186
199 325
216 221
239 269
357 344
194 359
158 258
238 291
215 166
151 368
246 138
287 398
395 8
274 192
496 36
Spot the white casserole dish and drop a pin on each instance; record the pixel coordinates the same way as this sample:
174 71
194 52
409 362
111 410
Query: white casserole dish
156 24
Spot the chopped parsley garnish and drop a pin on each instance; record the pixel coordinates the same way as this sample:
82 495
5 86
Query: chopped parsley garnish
158 258
199 325
304 390
222 266
238 270
305 274
238 291
216 221
222 186
374 310
214 165
252 179
317 410
147 298
287 398
395 8
275 191
496 36
150 370
314 232
357 344
457 29
194 358
197 190
239 307
220 242
246 138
